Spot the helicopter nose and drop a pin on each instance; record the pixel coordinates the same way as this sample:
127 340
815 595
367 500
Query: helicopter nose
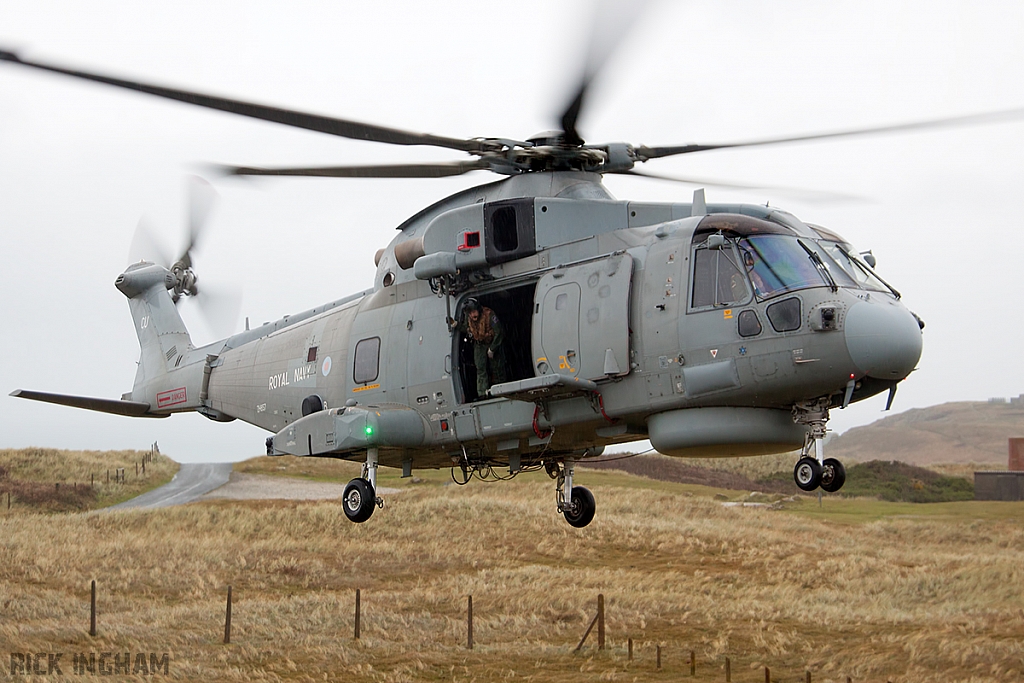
883 339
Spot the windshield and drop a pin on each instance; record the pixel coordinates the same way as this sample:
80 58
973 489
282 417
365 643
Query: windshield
858 270
780 263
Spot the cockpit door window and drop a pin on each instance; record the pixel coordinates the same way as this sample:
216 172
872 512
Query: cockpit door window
717 278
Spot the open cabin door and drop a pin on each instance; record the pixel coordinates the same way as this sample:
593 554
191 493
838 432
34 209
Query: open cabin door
581 319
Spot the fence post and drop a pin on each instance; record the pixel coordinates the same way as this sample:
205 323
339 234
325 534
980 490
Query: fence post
357 614
808 677
227 620
728 670
136 468
600 621
92 610
693 663
469 620
767 675
659 656
629 645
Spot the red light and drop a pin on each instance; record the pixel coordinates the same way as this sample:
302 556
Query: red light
851 375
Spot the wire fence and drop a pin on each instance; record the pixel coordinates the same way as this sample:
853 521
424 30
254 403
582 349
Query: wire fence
673 659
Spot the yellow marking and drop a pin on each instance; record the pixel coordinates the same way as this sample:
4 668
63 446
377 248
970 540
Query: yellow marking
542 358
367 387
728 313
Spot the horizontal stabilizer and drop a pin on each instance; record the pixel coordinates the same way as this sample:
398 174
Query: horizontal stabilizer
103 405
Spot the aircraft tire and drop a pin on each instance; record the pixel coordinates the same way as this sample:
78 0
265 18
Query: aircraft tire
583 507
807 474
833 475
359 500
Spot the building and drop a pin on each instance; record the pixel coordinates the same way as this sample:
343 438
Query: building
1008 485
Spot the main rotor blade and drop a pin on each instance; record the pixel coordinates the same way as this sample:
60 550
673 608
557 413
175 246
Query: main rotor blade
794 192
611 24
645 153
288 117
437 170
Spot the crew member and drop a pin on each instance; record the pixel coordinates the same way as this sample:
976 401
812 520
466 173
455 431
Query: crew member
488 336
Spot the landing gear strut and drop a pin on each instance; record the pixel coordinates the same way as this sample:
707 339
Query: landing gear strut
813 469
360 497
576 503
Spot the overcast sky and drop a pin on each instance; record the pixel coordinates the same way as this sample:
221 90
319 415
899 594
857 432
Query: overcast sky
80 164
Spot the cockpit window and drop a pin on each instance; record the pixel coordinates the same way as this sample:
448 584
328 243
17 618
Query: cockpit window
859 271
778 263
717 278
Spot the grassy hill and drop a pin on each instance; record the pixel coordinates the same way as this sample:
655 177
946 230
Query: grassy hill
951 432
883 479
51 480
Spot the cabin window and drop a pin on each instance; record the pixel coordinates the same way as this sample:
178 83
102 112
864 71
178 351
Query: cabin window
717 278
311 354
367 362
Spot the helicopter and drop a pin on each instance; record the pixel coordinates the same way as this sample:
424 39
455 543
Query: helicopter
710 329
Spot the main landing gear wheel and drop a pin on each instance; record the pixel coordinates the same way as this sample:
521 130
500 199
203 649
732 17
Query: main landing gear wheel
833 475
581 508
807 474
359 500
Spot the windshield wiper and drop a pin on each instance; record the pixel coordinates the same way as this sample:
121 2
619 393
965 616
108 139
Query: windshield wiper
820 266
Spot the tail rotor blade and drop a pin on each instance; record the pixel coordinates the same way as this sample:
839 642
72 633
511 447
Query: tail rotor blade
146 247
201 200
220 307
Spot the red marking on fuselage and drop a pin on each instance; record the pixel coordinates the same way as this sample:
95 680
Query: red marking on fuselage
170 398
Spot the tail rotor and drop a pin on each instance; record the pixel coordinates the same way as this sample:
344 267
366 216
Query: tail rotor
220 305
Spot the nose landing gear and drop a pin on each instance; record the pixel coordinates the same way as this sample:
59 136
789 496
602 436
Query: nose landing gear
814 470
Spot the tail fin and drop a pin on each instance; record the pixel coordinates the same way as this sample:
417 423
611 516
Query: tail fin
163 339
164 342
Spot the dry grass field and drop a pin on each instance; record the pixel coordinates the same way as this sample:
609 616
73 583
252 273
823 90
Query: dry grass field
876 591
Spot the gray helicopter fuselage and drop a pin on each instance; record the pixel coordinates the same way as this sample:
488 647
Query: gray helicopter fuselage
627 320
